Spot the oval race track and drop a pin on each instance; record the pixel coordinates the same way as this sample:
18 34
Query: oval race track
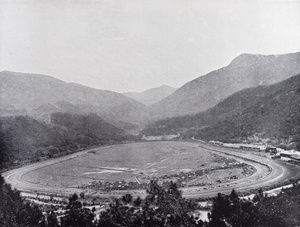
268 172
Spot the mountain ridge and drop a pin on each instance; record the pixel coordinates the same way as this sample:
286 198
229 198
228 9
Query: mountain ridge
246 70
36 94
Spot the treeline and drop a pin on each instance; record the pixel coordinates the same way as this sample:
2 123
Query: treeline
24 139
161 207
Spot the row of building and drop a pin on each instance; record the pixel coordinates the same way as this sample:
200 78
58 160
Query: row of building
160 137
289 155
285 155
252 147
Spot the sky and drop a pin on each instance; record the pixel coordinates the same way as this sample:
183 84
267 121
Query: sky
135 45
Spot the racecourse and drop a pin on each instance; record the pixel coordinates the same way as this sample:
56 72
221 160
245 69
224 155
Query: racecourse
181 155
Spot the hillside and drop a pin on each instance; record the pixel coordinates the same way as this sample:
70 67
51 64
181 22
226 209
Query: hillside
39 96
91 126
268 111
24 139
245 71
151 96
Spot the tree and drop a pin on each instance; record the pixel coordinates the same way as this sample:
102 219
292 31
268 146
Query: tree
52 220
220 211
160 208
76 215
137 202
235 209
14 211
127 198
231 210
3 147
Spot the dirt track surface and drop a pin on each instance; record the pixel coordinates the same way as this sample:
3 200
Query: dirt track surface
268 172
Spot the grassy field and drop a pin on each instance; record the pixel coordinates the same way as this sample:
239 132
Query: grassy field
134 165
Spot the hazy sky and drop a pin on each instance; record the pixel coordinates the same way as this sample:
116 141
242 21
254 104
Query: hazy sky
134 45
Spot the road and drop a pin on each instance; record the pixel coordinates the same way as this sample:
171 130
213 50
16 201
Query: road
268 172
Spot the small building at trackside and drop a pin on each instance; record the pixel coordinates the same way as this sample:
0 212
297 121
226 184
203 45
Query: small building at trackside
290 155
295 158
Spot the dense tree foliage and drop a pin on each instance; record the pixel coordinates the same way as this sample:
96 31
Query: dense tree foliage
231 211
76 215
3 148
282 210
160 208
14 212
276 211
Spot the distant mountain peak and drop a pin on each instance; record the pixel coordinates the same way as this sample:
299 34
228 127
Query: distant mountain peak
246 58
250 58
165 86
152 95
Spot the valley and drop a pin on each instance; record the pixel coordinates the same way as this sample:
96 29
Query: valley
66 139
150 113
63 119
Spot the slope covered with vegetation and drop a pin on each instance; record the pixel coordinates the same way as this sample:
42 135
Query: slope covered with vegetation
267 111
24 139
